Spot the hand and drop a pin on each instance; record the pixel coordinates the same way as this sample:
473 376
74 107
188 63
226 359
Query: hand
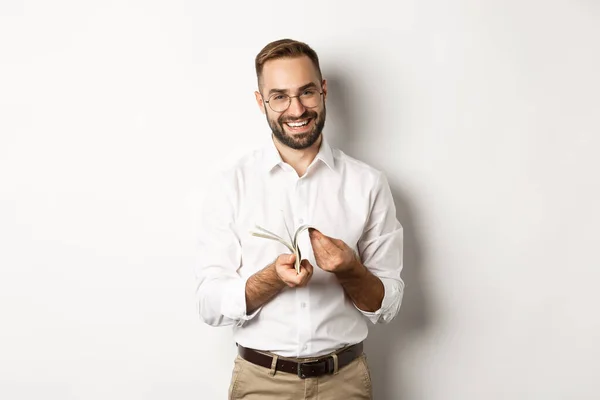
332 255
284 267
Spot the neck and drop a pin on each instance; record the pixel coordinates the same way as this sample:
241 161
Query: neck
298 159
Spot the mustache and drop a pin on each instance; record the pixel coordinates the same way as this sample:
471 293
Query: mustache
305 115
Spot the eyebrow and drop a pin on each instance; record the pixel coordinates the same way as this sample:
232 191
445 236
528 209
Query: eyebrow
301 88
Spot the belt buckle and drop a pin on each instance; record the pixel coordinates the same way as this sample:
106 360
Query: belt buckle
300 373
328 366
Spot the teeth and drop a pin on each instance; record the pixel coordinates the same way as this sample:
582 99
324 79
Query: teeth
297 124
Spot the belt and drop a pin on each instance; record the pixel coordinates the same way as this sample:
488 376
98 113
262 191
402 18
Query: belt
320 366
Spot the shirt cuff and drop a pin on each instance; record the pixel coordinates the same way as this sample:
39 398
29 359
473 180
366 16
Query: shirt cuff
234 304
390 304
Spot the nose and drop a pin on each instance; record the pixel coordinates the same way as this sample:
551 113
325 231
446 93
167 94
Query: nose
296 108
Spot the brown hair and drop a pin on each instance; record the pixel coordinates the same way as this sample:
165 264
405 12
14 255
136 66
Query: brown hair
285 48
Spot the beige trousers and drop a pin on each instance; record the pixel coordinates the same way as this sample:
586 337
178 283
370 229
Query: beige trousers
253 382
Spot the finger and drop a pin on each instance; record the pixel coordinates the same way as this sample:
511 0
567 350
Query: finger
307 270
315 241
290 277
294 279
310 270
323 243
326 241
307 266
286 259
338 242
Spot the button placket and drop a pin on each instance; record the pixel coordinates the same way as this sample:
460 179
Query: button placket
302 293
301 201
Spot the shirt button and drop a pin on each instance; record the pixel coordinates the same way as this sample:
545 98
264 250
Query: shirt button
301 221
304 347
303 305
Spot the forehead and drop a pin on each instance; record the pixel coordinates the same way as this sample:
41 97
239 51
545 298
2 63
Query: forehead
288 73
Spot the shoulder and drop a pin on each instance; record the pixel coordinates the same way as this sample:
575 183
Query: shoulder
227 178
353 168
238 166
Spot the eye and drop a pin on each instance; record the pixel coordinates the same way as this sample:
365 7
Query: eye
309 92
278 97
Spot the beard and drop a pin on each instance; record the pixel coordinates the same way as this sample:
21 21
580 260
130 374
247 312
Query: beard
298 141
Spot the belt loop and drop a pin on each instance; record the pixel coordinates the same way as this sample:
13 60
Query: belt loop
273 365
335 363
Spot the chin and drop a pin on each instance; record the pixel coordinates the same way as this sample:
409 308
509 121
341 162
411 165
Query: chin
304 141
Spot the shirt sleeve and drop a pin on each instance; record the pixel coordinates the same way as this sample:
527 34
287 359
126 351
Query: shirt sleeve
381 250
220 290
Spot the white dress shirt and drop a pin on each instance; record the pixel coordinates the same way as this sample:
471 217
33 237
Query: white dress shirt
341 197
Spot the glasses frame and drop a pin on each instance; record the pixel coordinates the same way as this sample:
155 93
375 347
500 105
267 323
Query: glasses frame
290 102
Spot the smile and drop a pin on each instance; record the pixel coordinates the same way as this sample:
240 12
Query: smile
297 124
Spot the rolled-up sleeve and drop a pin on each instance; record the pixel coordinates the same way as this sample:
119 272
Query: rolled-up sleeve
381 251
220 290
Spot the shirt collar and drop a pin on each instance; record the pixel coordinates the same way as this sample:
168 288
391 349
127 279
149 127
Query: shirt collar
272 158
325 154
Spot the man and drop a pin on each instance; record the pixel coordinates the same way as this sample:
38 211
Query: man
299 335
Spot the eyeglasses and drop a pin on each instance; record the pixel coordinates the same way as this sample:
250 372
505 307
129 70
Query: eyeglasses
279 102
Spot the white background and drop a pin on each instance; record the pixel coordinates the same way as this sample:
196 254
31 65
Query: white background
114 116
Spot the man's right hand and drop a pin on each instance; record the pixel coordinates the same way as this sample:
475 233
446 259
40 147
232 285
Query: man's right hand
266 283
284 266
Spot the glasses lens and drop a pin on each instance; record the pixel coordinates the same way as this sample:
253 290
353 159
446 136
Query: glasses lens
310 98
279 102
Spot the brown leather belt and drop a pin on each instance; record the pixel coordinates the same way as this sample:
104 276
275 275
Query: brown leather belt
320 366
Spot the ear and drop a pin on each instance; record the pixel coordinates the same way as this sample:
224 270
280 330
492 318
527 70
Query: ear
259 101
324 86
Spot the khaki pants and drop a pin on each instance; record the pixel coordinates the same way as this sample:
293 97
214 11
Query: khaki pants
253 382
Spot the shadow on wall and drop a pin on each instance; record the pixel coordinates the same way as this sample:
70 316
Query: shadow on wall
386 342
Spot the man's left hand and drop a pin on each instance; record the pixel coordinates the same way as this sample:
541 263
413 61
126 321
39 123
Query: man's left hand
332 255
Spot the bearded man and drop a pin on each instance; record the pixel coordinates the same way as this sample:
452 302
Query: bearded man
299 332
